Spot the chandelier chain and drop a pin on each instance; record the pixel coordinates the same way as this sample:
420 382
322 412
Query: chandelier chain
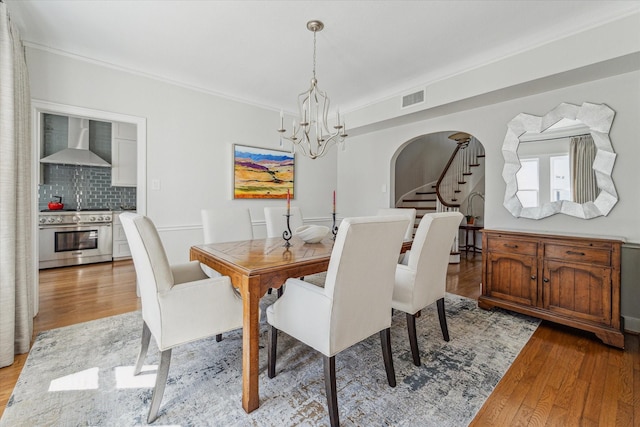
314 54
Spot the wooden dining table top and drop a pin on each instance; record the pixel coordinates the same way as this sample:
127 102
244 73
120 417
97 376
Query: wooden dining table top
268 258
268 253
260 256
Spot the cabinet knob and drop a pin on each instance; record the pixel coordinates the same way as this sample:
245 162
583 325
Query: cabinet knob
545 280
533 277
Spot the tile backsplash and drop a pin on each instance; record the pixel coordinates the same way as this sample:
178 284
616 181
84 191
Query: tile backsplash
80 186
83 187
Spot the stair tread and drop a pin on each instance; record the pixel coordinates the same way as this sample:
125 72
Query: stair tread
455 179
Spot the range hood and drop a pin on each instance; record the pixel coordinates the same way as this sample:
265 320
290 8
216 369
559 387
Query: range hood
78 152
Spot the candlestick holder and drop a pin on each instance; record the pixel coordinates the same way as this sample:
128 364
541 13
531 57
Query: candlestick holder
286 234
334 227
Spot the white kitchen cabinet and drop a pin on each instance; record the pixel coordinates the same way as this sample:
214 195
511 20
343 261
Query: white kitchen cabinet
124 157
120 246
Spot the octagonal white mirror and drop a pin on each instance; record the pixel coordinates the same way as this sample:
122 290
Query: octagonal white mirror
560 163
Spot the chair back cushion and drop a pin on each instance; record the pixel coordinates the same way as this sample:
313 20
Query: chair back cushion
408 212
360 277
276 220
226 225
152 266
429 256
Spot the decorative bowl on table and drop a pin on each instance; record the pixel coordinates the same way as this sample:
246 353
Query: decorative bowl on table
311 233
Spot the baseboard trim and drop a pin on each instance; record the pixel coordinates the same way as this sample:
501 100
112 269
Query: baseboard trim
631 324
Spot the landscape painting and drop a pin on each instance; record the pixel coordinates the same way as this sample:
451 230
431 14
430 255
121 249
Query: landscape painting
261 173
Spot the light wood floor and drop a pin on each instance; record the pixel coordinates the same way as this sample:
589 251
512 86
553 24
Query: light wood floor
562 377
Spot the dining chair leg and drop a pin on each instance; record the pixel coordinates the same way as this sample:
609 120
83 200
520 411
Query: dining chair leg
161 382
443 319
385 340
413 338
331 390
271 355
280 291
144 347
218 337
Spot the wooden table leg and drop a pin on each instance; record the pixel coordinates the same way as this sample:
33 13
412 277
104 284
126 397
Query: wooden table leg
250 290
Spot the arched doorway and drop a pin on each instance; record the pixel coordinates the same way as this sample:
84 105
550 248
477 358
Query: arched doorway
440 171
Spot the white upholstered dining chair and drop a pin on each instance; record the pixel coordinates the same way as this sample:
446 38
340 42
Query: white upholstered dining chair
410 213
225 225
180 303
354 304
276 221
423 280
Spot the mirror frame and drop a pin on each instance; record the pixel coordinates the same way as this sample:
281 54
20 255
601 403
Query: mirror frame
598 118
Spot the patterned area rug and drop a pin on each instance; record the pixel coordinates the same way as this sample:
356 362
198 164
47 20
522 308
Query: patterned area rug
82 375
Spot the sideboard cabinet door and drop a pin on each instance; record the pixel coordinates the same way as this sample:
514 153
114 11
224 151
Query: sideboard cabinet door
512 278
578 291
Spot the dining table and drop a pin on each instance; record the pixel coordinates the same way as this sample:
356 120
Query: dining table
255 266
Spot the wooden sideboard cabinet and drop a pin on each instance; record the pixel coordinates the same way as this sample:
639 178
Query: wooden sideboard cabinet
570 280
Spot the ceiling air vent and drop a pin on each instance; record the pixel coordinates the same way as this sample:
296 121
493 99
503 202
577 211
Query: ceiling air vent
412 99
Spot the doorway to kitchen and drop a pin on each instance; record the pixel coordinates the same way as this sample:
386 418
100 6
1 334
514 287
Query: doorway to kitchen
135 129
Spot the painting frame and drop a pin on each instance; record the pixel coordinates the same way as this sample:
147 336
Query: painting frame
262 173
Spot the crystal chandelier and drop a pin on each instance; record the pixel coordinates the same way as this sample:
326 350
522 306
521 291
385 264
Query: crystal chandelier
312 135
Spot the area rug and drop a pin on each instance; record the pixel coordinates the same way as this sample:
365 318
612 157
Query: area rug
82 375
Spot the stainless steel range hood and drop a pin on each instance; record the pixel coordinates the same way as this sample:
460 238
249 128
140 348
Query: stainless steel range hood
78 152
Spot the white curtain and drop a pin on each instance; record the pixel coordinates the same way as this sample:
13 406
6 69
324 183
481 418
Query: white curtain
17 266
582 152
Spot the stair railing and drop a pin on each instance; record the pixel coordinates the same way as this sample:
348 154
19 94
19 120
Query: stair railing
450 184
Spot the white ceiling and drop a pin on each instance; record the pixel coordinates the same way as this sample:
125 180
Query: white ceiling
261 51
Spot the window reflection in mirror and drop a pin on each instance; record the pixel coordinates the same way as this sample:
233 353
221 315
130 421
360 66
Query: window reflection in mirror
547 174
528 182
560 162
557 164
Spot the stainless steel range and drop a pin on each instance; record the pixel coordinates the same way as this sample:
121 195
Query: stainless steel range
75 237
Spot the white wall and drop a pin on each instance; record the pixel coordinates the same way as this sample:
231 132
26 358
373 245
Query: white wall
189 143
422 161
360 192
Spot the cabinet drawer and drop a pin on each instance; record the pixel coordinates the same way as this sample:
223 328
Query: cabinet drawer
513 246
598 256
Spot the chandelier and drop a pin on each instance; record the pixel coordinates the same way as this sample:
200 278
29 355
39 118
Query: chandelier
311 135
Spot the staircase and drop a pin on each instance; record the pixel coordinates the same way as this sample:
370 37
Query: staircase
424 200
457 180
451 188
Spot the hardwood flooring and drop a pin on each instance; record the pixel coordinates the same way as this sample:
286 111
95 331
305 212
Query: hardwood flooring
562 377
